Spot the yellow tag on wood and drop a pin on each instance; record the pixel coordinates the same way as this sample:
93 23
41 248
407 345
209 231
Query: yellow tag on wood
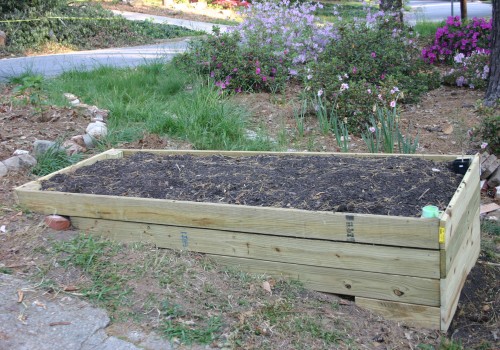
442 231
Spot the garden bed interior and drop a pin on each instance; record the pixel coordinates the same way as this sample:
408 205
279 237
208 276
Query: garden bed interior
403 267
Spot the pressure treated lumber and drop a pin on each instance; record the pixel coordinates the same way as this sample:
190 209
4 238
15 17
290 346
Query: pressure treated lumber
363 228
344 255
454 281
417 315
399 288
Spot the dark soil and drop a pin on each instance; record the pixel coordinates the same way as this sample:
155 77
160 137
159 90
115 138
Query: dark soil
386 186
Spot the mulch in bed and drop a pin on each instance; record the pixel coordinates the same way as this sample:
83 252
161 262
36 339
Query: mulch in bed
398 186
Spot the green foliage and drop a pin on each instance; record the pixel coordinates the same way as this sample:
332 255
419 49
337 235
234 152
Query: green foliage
55 158
384 132
361 69
36 6
30 86
489 131
235 67
188 333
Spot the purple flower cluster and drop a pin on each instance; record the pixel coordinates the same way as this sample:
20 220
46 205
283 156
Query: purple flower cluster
456 36
289 30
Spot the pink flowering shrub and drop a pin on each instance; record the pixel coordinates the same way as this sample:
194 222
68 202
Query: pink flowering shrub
273 42
457 37
471 71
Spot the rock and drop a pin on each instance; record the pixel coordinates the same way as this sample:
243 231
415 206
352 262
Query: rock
75 102
448 129
57 222
12 163
61 322
41 146
494 179
70 97
3 38
78 139
94 113
27 161
3 169
18 152
489 165
71 147
17 163
88 140
97 130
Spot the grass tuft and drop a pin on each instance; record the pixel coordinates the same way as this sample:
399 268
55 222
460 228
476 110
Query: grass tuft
54 159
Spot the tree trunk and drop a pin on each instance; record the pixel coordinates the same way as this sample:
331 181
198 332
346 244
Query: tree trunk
493 92
394 6
463 9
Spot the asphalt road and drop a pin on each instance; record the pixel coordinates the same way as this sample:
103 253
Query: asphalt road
432 10
51 65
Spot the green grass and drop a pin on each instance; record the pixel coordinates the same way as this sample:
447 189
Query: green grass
346 10
53 159
94 257
490 240
162 99
427 29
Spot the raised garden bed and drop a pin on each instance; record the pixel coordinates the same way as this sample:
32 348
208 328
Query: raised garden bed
397 264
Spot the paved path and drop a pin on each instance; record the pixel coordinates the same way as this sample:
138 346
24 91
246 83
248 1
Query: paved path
432 10
51 65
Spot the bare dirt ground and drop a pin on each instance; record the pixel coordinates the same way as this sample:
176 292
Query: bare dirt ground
26 238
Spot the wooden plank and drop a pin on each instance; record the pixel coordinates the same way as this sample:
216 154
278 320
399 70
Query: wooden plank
468 218
452 285
351 256
413 290
459 202
436 157
363 228
416 315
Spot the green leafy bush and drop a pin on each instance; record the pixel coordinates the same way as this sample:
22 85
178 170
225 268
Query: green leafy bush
490 132
471 71
368 66
36 6
235 67
275 39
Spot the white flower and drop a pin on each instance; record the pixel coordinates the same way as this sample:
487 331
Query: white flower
320 92
393 104
344 86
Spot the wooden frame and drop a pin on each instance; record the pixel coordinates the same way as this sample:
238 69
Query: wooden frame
405 268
